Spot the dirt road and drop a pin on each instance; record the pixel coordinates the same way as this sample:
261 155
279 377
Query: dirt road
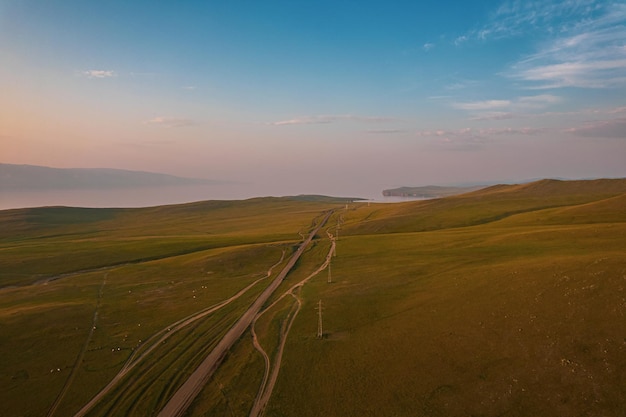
271 374
156 340
81 354
183 398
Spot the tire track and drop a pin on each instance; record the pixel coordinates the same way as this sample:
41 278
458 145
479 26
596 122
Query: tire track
81 354
182 399
271 374
156 340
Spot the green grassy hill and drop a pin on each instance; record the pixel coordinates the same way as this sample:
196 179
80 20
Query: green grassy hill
40 243
429 191
482 206
140 270
509 300
505 301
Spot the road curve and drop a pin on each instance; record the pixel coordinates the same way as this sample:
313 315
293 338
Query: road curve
152 343
184 396
271 375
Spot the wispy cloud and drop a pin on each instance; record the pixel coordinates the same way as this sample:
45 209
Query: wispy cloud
325 119
466 139
301 121
428 46
454 144
455 86
579 73
504 109
615 128
519 17
512 131
169 122
473 138
444 132
494 115
189 87
540 100
471 132
617 110
386 131
588 54
99 73
585 41
589 112
482 105
460 40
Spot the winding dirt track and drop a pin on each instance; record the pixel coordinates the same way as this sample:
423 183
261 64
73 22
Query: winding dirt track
156 340
81 354
183 398
271 374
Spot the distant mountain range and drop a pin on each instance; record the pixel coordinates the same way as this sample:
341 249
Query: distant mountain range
32 177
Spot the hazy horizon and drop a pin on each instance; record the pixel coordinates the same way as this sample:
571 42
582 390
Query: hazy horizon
156 195
318 98
162 195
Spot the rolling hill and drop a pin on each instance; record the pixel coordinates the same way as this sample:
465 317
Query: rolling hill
508 300
484 206
429 191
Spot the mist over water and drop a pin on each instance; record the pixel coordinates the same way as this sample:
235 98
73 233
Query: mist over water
124 197
155 196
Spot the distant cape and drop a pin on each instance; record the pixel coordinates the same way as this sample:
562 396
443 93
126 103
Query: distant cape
429 191
32 177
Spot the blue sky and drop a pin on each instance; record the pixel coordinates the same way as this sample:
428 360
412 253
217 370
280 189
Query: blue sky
324 97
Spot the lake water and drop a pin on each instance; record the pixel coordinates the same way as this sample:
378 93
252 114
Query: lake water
155 196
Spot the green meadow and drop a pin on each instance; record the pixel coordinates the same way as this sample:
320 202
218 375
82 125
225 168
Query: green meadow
507 301
141 270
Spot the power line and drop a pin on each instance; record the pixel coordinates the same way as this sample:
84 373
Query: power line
320 332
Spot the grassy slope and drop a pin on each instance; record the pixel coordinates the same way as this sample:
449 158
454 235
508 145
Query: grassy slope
43 327
506 301
39 243
481 206
522 316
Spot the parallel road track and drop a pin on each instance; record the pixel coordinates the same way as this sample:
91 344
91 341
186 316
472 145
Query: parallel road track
184 396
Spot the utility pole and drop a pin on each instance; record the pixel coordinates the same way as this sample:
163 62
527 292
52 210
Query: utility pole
336 240
320 333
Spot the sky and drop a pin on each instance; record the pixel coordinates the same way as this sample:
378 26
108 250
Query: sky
320 97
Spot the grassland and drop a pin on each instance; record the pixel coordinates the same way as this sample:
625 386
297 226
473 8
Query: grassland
141 270
506 301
